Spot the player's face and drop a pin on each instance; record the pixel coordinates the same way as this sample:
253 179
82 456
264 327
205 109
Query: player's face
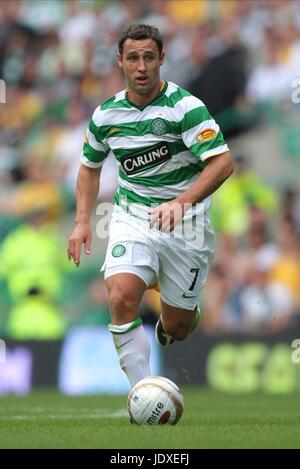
141 61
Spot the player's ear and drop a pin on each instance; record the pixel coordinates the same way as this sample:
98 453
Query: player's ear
162 58
120 60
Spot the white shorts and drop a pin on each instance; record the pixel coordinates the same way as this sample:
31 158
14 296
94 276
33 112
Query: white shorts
177 262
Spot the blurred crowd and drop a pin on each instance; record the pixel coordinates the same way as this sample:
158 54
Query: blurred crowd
253 286
58 62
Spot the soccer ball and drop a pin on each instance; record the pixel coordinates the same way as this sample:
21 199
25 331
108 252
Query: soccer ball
155 401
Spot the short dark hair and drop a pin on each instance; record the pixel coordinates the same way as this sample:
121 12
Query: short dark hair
139 32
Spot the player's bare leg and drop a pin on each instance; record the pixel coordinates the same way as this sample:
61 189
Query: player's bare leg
175 323
125 294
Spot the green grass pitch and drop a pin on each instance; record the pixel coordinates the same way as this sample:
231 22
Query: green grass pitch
47 419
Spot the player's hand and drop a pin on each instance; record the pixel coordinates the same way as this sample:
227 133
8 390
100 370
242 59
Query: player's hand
82 234
165 216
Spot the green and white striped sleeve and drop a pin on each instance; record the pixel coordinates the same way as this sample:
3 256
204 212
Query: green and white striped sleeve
94 149
200 132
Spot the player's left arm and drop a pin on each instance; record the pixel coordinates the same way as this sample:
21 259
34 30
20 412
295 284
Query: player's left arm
218 168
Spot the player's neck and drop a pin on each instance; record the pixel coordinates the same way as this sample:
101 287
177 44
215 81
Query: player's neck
143 100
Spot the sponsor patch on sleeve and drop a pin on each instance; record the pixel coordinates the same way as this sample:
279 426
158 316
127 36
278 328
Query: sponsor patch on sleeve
205 135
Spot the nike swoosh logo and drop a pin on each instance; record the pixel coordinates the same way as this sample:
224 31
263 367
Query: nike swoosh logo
187 296
122 345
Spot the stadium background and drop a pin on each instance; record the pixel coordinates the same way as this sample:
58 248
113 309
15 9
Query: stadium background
57 63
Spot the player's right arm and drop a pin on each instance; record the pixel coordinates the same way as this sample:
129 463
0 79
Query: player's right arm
95 150
87 189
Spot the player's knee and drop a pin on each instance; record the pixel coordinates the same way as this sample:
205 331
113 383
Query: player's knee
121 306
177 331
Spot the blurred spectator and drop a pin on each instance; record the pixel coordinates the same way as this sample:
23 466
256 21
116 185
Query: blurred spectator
241 199
35 192
286 267
32 257
35 318
189 12
272 79
80 24
214 301
33 266
266 306
68 144
221 80
290 206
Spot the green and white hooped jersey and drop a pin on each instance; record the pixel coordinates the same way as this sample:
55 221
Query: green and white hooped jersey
160 148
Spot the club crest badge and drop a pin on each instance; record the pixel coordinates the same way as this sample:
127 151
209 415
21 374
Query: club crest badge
118 250
158 126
